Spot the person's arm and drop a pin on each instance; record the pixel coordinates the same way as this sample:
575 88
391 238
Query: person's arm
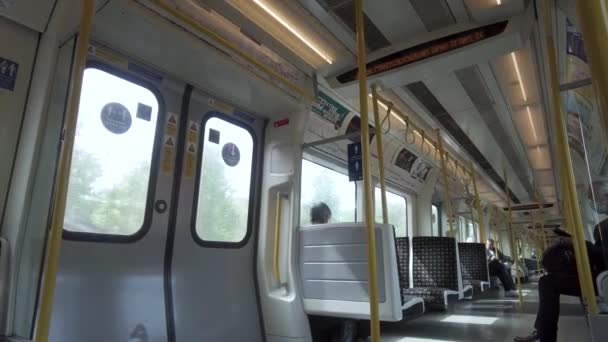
596 257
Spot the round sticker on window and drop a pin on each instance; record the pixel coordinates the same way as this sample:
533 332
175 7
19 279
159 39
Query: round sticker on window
231 154
116 118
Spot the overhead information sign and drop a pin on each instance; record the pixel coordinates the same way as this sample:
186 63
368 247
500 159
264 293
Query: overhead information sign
329 109
426 50
355 168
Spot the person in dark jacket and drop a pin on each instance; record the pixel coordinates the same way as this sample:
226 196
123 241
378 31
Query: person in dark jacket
497 268
558 260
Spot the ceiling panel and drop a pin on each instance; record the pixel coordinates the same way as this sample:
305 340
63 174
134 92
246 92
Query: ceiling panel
531 125
544 177
539 157
34 14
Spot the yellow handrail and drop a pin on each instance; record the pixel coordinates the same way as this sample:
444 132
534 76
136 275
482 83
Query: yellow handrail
482 224
380 151
277 240
444 173
571 206
593 21
416 130
367 177
232 47
51 261
514 252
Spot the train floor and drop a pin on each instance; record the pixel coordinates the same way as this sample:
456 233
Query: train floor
488 317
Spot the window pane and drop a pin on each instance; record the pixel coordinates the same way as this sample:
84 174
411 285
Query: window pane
435 221
110 172
397 211
224 182
320 184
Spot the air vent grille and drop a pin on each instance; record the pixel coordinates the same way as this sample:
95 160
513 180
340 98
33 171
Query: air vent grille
435 14
345 11
473 85
422 93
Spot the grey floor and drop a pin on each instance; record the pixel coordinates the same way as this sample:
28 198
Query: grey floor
488 317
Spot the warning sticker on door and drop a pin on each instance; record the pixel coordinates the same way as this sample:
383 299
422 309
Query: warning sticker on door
8 74
168 156
193 132
190 163
171 126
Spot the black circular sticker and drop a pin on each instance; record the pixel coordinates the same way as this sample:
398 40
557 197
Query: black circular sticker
231 154
116 118
160 206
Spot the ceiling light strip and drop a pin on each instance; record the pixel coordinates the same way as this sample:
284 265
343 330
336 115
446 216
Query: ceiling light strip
521 83
291 29
532 124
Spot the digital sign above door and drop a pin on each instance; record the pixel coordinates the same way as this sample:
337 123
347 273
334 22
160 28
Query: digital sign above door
426 50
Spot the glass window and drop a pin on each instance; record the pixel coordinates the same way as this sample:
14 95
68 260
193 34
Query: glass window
397 211
462 225
112 157
224 182
434 221
320 184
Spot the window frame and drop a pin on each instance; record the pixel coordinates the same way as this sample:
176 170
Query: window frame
154 161
252 189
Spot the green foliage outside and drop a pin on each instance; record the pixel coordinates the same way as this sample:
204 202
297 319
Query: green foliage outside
120 210
220 216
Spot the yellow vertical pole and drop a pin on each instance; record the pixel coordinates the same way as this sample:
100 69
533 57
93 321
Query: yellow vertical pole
51 261
482 225
535 237
593 22
380 149
511 242
573 217
367 176
446 182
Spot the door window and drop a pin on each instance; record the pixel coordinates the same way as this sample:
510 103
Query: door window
112 159
224 183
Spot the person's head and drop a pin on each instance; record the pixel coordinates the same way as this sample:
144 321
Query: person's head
489 243
600 232
320 213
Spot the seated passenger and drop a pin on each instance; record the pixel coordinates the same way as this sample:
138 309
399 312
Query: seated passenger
320 213
497 268
558 260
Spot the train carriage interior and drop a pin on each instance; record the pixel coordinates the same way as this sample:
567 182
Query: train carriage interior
303 170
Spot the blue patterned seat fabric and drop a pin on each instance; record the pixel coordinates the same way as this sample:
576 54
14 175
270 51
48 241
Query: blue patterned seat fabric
473 264
435 268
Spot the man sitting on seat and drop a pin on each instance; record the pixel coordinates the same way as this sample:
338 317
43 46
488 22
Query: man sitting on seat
558 260
497 268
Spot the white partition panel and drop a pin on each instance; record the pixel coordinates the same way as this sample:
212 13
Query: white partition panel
333 269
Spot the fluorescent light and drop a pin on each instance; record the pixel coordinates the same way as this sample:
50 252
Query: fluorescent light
532 124
499 2
386 107
521 84
465 319
292 30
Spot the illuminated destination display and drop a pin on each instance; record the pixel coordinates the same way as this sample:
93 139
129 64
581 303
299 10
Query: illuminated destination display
426 50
